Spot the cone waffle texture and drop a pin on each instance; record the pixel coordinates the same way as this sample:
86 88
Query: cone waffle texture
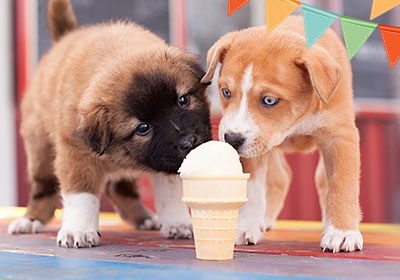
215 207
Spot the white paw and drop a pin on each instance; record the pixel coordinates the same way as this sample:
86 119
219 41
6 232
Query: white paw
177 231
77 239
269 223
150 223
25 225
335 240
249 233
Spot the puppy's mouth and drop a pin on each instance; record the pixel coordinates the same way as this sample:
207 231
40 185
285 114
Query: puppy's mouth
256 148
170 164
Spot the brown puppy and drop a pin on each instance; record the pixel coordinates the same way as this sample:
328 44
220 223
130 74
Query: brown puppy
109 102
278 96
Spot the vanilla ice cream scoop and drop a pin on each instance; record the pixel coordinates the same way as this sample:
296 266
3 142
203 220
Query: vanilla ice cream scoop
212 159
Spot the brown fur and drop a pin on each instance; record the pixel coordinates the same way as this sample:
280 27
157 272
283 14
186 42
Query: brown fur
61 18
76 95
314 82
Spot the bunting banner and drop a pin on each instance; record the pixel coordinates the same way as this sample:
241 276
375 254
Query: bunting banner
355 33
277 11
234 5
316 22
382 6
391 41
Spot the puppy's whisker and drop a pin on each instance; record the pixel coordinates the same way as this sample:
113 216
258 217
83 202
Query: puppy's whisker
175 126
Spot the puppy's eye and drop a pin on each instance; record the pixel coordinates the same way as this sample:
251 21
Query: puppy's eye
270 101
183 100
142 129
226 93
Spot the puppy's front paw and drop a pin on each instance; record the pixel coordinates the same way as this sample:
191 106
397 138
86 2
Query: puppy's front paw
150 223
177 231
77 239
335 240
25 225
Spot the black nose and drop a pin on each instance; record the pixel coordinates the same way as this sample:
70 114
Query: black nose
235 139
188 143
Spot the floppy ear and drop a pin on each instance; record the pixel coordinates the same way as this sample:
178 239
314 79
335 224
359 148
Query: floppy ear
94 129
191 61
324 73
216 54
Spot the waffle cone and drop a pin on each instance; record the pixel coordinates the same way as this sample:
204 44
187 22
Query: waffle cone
214 204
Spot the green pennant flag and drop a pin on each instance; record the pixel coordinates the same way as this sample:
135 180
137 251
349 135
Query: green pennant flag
355 33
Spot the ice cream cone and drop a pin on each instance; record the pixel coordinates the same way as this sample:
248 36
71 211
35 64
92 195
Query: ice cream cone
215 204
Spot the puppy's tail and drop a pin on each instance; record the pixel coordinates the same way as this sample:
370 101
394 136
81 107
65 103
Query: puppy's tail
61 18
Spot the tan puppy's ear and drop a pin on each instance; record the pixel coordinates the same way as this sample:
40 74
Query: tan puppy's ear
324 73
94 129
216 54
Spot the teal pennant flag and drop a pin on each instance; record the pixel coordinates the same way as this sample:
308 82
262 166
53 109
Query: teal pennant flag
355 33
316 22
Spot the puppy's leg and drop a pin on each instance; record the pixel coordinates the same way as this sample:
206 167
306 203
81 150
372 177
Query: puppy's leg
342 212
80 220
251 220
172 212
43 185
125 196
321 182
80 179
279 176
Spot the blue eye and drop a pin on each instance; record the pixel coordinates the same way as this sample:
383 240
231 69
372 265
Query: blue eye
142 129
226 93
270 101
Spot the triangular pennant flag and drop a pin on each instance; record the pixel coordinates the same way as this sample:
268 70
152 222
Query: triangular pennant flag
316 22
391 40
382 6
234 5
277 11
355 33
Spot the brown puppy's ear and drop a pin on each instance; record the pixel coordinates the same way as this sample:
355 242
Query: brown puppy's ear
216 54
325 74
94 130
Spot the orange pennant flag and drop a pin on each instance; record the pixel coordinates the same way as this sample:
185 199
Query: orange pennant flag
277 11
391 40
382 6
234 5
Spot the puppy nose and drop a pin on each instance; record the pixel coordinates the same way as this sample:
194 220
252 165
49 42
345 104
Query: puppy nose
188 143
235 139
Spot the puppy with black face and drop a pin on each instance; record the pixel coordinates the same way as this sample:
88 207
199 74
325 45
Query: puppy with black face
107 103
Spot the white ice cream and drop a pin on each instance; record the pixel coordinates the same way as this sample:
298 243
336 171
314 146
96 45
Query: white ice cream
212 159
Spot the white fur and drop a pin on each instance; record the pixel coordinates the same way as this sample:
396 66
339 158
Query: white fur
304 127
241 121
307 126
251 221
336 240
80 220
172 212
25 225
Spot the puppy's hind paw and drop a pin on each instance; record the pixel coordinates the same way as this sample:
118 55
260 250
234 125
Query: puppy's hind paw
77 239
25 225
177 231
151 223
335 240
249 236
269 223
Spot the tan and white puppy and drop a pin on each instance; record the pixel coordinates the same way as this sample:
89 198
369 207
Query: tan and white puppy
107 103
279 96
